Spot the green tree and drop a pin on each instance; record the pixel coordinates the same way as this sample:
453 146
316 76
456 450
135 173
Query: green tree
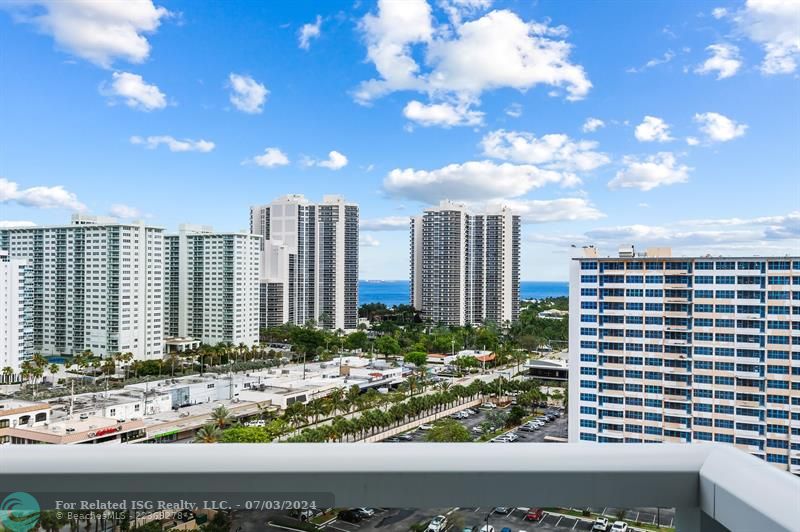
208 434
515 415
356 340
418 358
387 345
448 431
221 417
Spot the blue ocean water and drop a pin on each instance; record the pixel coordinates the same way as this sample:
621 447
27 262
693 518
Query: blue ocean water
397 292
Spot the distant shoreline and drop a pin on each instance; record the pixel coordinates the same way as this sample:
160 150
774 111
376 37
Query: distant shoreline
396 292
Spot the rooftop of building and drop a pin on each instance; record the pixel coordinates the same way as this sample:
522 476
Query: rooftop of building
627 253
18 406
79 424
84 220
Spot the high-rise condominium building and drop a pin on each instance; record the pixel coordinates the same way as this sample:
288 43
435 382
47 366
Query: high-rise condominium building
310 262
686 349
16 313
97 285
465 266
212 286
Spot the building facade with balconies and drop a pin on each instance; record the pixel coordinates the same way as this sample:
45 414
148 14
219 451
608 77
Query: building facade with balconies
97 284
686 349
16 315
310 261
465 266
212 286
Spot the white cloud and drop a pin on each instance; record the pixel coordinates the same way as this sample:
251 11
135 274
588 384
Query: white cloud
121 210
469 181
457 9
270 158
368 241
553 152
557 210
592 124
653 171
335 161
4 224
174 144
134 91
668 56
652 129
692 141
308 32
460 60
719 12
442 114
388 223
247 95
56 197
724 61
98 31
719 128
514 110
775 25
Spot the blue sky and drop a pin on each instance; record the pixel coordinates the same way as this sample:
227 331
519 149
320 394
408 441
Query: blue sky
190 112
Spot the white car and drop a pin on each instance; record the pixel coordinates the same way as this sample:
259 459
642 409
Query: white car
438 524
511 437
600 525
425 427
619 526
487 528
489 406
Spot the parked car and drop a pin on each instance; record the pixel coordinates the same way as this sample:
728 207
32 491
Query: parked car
619 526
393 439
511 437
487 528
425 427
534 514
488 406
477 430
470 411
405 437
302 515
527 428
438 524
351 516
600 525
505 529
501 510
366 513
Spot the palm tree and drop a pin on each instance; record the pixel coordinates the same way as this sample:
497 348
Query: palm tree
316 407
53 369
8 372
221 417
208 434
353 393
337 400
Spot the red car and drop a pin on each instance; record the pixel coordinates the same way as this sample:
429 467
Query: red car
534 514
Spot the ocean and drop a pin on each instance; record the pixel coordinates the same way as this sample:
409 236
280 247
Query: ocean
397 292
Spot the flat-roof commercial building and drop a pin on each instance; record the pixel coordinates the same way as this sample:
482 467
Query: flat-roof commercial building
212 286
686 349
310 262
465 266
96 284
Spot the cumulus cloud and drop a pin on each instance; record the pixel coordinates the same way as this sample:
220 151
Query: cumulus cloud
368 241
592 124
270 158
514 110
719 12
335 161
653 171
100 32
719 128
469 181
724 61
555 152
247 95
121 210
652 129
134 91
174 144
308 32
388 223
41 197
461 60
555 210
775 25
692 141
442 114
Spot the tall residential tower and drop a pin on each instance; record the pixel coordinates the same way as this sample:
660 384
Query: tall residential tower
310 261
686 349
465 266
16 313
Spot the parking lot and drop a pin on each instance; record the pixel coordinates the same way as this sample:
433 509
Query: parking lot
557 428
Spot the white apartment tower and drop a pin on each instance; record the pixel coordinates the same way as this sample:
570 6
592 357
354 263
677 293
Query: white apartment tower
686 349
465 266
97 285
212 286
16 314
310 261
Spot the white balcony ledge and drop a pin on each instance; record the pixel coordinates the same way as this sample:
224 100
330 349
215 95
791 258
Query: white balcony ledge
709 485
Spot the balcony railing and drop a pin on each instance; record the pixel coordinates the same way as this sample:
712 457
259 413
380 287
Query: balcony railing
711 486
